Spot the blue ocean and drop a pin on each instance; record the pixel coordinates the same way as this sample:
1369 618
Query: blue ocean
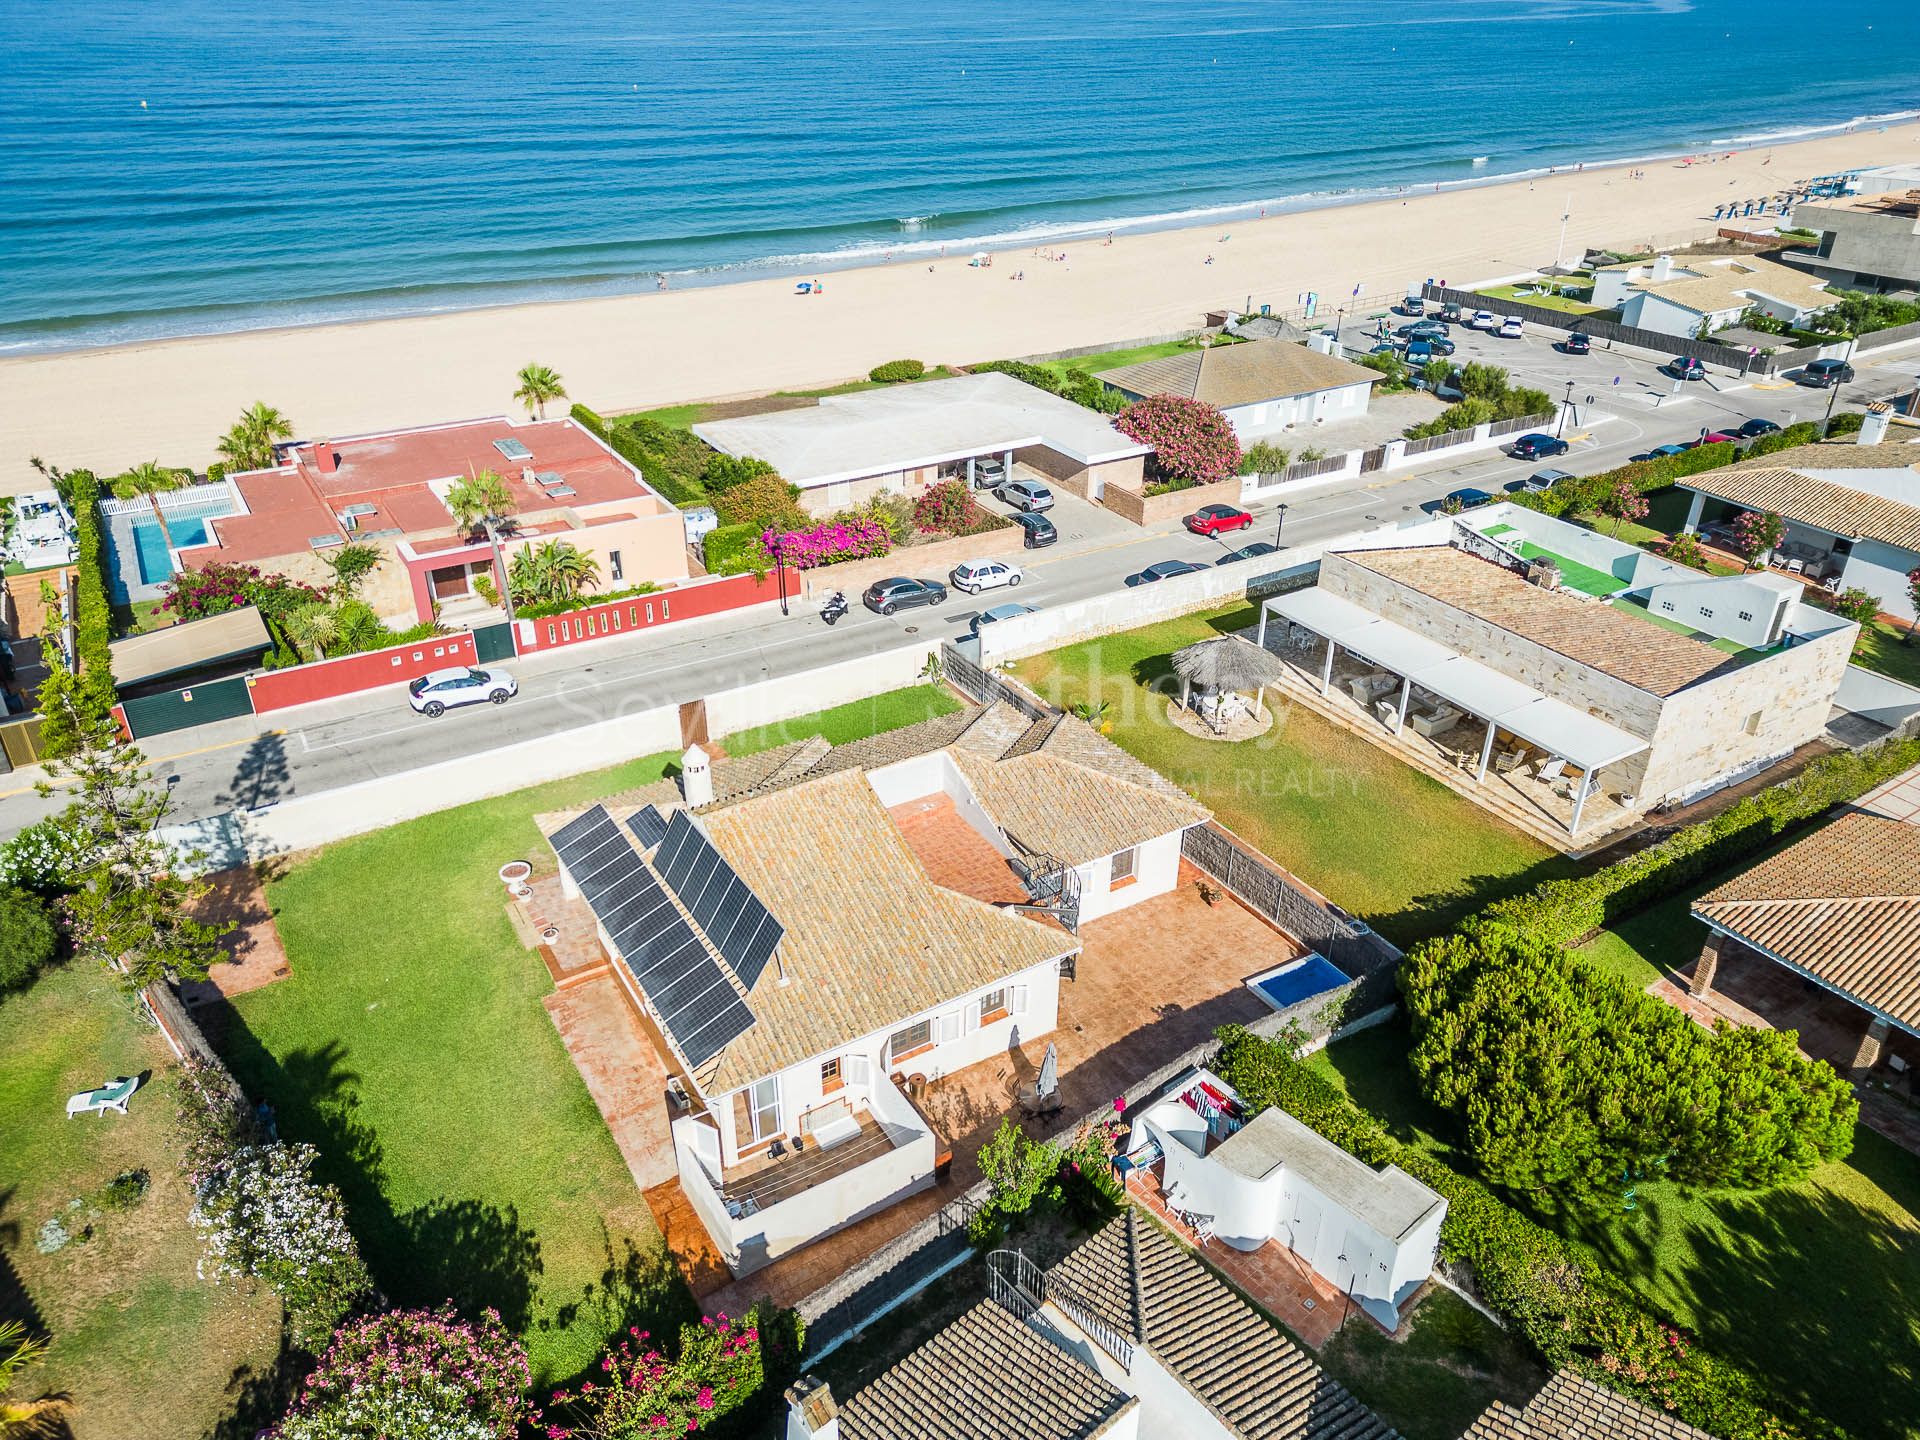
180 166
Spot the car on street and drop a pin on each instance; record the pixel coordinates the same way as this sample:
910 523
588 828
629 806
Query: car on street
1825 374
973 576
1422 329
998 612
1164 570
1433 347
989 472
1577 344
1037 529
1541 481
1659 452
1536 445
1412 305
902 592
1512 329
1685 367
1714 437
1450 312
1457 500
1484 320
1248 552
1217 520
1755 428
439 691
1026 495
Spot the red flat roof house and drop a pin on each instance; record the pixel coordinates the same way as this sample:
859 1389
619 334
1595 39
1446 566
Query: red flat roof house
389 490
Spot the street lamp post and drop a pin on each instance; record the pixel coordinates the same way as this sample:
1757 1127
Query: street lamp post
1560 428
1278 525
780 571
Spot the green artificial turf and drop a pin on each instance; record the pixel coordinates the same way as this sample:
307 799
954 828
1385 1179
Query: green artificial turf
1376 836
1889 650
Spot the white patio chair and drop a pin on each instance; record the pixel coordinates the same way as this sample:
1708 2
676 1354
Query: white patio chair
1202 1227
1552 770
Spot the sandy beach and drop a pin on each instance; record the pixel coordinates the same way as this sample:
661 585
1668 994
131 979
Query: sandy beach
171 400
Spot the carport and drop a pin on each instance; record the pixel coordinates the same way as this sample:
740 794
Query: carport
1583 741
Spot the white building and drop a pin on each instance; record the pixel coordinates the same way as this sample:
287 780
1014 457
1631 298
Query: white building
1373 1233
1678 297
783 937
849 448
1263 387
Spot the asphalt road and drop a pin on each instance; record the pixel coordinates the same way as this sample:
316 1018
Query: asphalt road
245 763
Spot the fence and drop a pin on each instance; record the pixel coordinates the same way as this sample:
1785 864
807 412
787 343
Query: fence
1892 335
1438 442
984 687
1270 891
640 612
1656 340
1521 422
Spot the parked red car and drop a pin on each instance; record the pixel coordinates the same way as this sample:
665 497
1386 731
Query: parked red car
1218 520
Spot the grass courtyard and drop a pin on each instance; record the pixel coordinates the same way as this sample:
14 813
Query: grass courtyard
1376 836
411 1046
123 1305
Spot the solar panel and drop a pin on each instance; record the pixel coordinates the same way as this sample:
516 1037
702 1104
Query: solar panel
649 826
513 449
739 925
575 829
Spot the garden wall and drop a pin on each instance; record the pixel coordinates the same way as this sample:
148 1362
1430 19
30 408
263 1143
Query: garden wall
328 679
928 562
711 596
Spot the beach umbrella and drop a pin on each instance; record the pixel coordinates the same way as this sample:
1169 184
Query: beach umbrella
1228 662
1049 1080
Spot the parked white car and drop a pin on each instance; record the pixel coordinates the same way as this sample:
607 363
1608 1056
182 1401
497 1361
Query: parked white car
1511 328
1483 320
439 691
973 576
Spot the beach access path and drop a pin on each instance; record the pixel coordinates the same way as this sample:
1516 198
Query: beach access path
110 408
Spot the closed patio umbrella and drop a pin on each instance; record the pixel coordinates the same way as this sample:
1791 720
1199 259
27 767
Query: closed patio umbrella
1228 663
1049 1080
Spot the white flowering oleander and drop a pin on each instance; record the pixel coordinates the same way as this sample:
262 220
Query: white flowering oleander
429 1410
38 857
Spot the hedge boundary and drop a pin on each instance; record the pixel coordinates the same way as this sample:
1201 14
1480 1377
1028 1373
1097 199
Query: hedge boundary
93 603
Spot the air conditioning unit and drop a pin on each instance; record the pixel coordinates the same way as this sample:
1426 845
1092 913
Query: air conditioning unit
1544 573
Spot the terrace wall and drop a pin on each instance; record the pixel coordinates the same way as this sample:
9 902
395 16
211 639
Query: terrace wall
928 562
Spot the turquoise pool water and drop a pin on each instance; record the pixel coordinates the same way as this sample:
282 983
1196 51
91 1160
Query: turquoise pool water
150 544
137 558
1299 981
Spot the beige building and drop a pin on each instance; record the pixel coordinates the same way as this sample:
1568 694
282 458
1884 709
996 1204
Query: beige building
849 448
1263 387
1870 240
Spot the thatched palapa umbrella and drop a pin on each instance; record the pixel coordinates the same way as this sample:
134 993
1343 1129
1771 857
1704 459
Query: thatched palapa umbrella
1227 663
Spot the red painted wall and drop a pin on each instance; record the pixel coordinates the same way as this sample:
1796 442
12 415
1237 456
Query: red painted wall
325 679
683 602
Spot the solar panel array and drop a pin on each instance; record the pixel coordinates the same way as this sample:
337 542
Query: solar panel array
699 1007
649 826
740 927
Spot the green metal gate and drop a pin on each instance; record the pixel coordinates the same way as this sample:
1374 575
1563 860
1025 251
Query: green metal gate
191 705
493 642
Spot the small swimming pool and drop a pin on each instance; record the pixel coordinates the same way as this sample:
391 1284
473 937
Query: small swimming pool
150 544
137 554
1297 980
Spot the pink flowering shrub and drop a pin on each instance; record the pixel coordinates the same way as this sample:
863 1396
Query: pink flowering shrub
639 1392
1191 439
1755 532
195 594
414 1372
848 537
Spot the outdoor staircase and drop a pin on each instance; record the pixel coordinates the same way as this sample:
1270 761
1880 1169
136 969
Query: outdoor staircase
1053 890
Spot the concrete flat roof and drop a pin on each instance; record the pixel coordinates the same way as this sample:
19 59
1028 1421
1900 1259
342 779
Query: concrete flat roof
876 432
1391 1201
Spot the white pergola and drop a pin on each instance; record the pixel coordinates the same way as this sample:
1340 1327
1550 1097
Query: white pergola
1584 741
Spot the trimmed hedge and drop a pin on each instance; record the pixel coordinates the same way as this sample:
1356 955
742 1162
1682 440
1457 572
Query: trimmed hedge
674 462
1555 1294
93 605
895 371
1081 389
735 550
1567 911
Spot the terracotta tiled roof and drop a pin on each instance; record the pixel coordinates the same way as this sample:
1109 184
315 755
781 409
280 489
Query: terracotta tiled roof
1262 1386
1244 374
1780 487
1570 1407
1050 805
1653 659
987 1376
1725 283
1843 905
1838 455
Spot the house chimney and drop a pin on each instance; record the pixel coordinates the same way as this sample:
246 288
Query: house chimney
1662 269
696 777
326 459
1873 428
811 1413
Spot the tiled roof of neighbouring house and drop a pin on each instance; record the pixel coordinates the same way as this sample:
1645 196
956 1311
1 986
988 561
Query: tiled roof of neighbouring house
1843 905
1723 284
1134 1278
1570 1407
987 1376
1659 661
1249 373
1781 486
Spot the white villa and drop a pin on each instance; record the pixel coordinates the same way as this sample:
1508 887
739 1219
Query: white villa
804 973
1263 387
1676 297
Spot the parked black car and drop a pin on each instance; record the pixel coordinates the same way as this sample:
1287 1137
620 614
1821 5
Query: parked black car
902 593
1164 570
1577 344
1755 428
1248 552
1685 367
1038 529
1468 499
1536 446
1825 374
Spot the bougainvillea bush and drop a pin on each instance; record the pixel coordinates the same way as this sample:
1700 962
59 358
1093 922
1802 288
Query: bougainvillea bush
1191 439
950 509
414 1375
641 1393
220 587
828 543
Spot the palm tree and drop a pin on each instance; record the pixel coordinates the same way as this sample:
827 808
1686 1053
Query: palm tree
311 629
249 444
24 1418
150 478
479 499
551 570
538 385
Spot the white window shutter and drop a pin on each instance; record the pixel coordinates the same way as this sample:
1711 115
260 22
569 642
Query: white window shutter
859 1070
949 1026
973 1015
1019 999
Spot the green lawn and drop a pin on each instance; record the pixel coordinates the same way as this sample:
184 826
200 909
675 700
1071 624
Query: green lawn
1114 359
124 1306
416 1053
685 417
1570 303
1377 836
1886 648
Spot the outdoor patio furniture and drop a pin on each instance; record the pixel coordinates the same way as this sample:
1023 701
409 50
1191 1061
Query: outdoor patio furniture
1507 761
1387 709
111 1096
742 1208
1796 567
836 1131
1435 722
1551 770
1202 1226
